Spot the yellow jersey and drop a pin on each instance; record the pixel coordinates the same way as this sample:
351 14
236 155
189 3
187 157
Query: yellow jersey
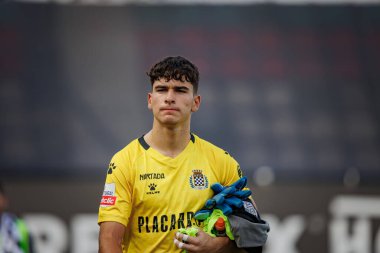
153 195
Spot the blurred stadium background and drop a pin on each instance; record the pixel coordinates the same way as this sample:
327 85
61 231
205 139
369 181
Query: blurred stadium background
290 88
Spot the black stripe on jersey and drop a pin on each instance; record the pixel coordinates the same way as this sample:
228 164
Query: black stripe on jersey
143 143
146 145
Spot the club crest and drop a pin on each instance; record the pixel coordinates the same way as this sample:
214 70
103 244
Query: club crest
198 180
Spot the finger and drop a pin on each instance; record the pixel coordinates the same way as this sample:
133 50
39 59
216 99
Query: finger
226 209
178 244
202 214
183 237
210 203
242 194
185 246
218 199
217 187
234 202
240 184
201 237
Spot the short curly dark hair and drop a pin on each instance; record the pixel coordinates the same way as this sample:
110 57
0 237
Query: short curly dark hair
175 68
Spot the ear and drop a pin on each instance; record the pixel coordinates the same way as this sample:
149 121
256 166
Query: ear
196 103
150 101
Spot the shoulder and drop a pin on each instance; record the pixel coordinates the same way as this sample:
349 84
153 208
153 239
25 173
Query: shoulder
127 156
133 149
122 161
211 148
224 165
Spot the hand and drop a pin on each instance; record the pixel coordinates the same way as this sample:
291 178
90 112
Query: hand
202 243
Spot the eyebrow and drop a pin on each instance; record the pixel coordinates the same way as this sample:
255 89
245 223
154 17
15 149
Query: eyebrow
181 88
176 87
160 87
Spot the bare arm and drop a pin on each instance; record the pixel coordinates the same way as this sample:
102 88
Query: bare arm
110 237
229 246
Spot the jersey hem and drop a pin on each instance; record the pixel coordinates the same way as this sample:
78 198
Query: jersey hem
120 220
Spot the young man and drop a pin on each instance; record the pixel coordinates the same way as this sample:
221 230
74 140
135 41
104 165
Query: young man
156 183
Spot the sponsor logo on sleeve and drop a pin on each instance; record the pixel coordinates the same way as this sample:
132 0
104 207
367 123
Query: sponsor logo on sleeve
108 198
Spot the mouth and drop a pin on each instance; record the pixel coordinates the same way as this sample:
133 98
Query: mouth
170 109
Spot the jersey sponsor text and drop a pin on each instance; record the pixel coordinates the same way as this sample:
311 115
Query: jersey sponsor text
165 223
152 176
108 201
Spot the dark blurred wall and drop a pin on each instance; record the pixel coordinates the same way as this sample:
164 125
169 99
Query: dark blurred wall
295 88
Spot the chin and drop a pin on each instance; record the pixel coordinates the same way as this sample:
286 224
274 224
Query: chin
169 122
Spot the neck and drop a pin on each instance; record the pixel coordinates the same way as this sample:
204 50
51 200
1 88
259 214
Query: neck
169 141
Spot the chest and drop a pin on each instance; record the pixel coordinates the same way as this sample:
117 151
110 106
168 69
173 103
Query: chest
182 185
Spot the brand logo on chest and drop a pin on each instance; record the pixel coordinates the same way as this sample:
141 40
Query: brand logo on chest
198 180
152 189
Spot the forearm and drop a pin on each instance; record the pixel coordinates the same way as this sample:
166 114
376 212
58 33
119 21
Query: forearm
228 246
109 245
111 237
233 248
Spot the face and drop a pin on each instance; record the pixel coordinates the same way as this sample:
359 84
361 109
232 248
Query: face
172 102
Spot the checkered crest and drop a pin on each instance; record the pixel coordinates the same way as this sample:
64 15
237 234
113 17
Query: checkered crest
198 180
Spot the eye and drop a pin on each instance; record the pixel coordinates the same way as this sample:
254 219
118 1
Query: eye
161 89
182 90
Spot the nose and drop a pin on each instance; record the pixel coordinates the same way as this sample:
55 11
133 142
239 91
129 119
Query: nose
170 98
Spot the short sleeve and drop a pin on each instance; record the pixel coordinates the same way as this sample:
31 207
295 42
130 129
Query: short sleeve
115 204
231 170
